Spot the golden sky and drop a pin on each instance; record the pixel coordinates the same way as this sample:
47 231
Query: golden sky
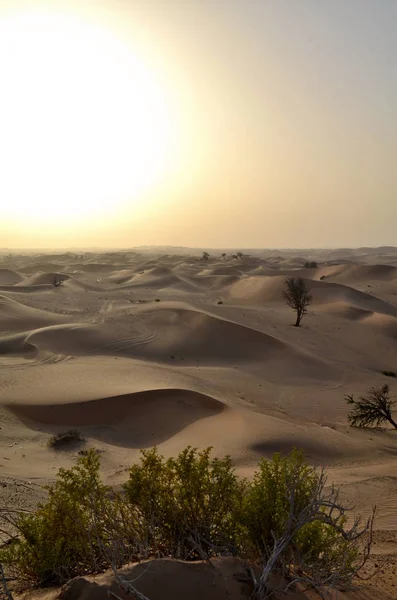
218 123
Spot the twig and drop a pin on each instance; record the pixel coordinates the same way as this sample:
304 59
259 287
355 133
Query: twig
4 582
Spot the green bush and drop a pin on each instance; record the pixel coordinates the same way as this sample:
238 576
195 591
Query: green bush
190 504
267 509
188 507
266 503
60 540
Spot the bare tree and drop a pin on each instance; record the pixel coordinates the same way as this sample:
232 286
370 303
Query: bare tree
297 296
372 409
324 506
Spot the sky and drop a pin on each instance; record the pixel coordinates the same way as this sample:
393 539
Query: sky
219 123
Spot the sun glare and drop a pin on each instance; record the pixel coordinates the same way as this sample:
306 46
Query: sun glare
84 124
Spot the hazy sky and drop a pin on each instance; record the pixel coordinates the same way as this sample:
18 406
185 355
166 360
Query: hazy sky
251 123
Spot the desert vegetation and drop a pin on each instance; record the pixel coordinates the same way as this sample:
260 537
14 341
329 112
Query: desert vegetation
191 507
65 439
310 265
57 281
297 296
389 373
373 409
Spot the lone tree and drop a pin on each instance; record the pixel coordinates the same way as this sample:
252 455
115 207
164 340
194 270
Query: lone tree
297 296
205 256
239 255
372 409
223 255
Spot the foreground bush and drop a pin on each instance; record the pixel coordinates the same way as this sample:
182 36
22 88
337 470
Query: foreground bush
286 503
53 544
190 507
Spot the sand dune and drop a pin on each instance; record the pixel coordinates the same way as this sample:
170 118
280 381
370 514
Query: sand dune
156 278
258 290
91 267
8 277
216 282
174 334
46 278
33 268
352 274
18 317
221 270
183 333
137 420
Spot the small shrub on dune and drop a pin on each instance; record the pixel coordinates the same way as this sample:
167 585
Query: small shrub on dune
57 281
64 439
389 373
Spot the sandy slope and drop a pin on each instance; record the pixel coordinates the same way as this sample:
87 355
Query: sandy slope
137 349
167 579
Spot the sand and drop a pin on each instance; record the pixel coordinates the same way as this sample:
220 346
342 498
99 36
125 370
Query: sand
143 348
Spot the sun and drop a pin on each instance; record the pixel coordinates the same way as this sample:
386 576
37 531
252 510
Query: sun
85 126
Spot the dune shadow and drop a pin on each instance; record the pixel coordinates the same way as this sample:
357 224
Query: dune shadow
138 420
314 450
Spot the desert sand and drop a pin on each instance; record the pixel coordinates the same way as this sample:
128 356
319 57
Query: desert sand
158 347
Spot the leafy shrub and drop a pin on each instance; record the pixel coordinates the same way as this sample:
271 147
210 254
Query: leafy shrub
65 438
266 502
189 504
267 508
54 543
190 507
